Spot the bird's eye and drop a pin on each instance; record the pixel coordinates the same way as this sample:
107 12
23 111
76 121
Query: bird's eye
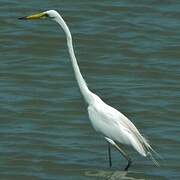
46 15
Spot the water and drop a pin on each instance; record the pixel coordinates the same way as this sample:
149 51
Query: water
129 55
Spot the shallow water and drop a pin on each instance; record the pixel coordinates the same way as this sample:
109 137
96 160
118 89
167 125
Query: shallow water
129 54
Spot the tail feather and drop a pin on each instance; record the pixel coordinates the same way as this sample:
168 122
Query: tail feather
150 151
143 147
138 141
137 145
149 154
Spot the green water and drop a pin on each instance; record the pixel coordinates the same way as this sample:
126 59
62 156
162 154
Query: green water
129 54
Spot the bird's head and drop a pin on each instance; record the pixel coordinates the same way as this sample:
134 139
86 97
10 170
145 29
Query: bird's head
51 14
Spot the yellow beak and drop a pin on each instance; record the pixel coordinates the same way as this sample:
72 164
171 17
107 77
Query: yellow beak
34 16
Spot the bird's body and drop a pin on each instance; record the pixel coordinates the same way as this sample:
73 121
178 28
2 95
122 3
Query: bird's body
112 124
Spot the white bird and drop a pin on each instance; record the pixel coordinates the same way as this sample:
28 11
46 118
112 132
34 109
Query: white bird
113 125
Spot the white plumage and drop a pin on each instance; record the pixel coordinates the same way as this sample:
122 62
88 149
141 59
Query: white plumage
112 124
115 126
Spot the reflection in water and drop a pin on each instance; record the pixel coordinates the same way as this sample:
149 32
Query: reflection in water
110 175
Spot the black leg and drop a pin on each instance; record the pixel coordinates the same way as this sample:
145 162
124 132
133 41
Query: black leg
128 165
125 155
109 155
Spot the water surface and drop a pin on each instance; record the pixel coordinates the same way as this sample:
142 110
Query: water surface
129 54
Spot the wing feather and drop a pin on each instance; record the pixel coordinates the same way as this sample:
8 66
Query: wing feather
114 125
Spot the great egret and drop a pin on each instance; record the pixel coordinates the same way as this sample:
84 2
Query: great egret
112 124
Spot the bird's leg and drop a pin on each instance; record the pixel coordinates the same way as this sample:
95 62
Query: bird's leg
110 141
109 154
125 155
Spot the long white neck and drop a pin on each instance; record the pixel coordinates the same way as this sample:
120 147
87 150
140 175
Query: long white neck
87 94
